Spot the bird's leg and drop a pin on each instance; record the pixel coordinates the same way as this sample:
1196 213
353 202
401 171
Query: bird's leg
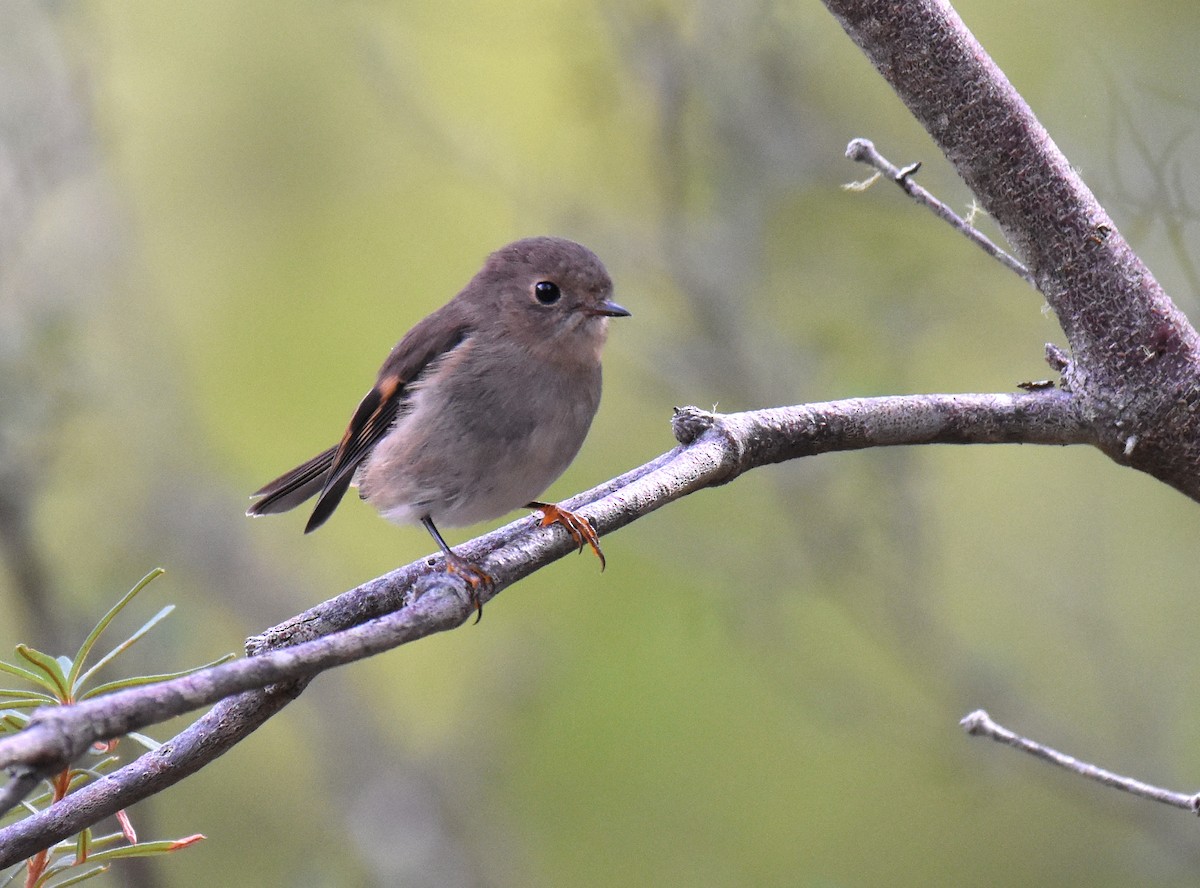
478 581
580 530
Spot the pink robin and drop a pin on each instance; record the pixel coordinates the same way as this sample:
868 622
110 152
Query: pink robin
479 408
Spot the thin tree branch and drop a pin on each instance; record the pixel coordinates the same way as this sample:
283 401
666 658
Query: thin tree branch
22 781
864 151
1135 358
980 724
714 450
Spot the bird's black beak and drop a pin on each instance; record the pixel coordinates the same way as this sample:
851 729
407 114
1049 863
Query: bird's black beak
610 309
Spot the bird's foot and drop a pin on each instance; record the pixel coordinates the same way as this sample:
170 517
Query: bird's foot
580 529
479 582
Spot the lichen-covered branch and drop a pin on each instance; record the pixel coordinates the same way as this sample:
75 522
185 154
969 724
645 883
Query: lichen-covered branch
421 598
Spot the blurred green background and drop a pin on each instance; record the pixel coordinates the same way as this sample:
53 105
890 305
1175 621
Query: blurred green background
215 220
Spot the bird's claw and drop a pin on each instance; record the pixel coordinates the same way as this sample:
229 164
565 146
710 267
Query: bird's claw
580 529
479 582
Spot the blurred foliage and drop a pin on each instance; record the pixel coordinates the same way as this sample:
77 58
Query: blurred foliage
45 680
218 217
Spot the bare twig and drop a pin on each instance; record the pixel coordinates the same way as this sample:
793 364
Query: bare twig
864 151
980 724
22 780
715 449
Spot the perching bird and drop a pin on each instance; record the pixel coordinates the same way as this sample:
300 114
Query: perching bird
479 408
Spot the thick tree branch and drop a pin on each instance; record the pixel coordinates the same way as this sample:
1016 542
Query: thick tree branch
382 614
1135 358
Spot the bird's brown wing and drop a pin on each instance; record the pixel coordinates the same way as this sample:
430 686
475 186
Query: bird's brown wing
371 421
328 475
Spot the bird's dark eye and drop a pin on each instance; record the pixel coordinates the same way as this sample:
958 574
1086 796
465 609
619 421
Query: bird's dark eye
547 292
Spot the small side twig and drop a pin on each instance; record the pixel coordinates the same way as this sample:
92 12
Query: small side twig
864 151
23 780
980 724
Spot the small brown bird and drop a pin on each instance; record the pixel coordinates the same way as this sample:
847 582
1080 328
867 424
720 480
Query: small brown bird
479 408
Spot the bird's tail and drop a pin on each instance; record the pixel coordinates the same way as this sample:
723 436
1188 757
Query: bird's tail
291 489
